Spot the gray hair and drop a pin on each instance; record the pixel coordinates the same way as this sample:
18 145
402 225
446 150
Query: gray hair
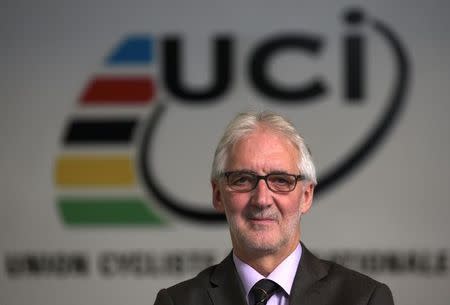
245 123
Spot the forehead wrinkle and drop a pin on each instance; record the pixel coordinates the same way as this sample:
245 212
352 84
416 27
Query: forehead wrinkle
271 162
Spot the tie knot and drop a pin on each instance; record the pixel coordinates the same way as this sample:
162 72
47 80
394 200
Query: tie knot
263 290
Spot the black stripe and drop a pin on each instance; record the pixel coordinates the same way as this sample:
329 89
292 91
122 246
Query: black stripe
100 130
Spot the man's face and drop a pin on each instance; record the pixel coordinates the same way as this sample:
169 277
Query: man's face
263 221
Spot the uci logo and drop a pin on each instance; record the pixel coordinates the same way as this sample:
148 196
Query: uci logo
270 70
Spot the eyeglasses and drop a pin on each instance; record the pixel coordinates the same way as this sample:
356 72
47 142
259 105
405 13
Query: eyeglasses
242 181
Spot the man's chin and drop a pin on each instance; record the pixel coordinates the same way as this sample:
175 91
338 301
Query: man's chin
263 249
262 244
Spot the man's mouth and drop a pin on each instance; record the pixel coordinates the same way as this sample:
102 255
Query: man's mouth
262 217
262 220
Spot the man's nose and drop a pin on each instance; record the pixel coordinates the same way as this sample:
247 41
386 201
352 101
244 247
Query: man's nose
262 195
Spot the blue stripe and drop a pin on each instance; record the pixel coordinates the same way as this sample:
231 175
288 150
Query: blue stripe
134 49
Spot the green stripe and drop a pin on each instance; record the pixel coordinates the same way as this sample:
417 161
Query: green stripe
107 211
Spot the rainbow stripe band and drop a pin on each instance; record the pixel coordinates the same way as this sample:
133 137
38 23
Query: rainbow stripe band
94 171
106 211
134 50
85 179
119 90
100 131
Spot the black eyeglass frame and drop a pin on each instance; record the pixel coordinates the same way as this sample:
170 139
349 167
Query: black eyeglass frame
259 177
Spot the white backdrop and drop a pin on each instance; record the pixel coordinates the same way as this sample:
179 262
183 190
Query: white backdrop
388 216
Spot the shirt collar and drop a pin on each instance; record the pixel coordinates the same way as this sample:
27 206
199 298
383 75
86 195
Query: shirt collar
283 274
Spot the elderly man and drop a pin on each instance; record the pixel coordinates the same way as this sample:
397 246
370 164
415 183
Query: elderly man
263 179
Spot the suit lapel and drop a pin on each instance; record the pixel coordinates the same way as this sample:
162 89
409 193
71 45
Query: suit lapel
226 287
306 287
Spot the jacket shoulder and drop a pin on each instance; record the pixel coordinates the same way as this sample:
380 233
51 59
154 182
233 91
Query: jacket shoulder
191 291
355 286
348 276
201 280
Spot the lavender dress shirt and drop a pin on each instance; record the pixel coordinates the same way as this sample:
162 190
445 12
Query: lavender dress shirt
283 275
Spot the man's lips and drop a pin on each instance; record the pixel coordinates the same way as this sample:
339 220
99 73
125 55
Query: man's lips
262 220
262 217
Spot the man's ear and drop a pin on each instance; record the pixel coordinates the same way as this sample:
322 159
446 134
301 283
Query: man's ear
307 198
217 197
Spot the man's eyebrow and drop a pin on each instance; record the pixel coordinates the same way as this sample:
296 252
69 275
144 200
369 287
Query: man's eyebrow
278 171
248 171
244 171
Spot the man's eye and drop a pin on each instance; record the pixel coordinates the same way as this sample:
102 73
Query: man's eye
280 180
242 180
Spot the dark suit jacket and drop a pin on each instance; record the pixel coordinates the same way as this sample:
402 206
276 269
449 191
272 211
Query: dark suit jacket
316 282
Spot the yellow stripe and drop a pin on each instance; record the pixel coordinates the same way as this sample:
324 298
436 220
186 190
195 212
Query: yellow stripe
98 170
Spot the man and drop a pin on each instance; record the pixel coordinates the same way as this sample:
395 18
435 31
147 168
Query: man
263 179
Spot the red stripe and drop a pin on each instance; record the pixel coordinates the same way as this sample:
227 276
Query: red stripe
119 90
